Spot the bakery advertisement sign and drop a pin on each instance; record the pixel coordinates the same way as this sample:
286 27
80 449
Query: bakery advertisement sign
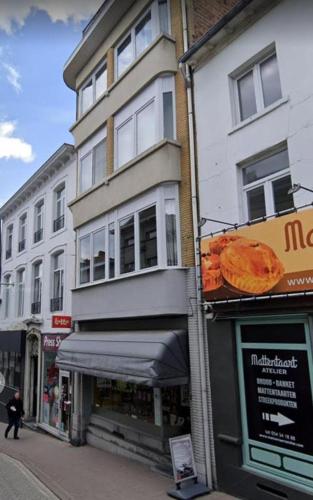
271 257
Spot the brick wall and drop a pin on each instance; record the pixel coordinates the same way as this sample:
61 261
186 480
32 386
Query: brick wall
203 14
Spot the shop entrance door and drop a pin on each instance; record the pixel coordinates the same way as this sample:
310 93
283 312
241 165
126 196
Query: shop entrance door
65 403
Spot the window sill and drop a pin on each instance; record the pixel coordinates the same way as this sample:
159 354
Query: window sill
56 233
37 244
133 274
256 117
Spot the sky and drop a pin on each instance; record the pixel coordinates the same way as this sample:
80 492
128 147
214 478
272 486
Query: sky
36 107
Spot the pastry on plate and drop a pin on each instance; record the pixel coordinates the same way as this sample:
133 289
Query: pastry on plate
211 272
251 266
218 244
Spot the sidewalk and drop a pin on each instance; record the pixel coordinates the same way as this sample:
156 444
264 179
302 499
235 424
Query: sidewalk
77 473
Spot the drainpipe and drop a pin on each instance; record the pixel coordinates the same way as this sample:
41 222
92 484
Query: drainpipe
205 383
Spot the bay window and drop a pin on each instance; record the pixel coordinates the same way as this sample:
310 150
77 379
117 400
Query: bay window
135 237
93 88
153 22
266 183
145 121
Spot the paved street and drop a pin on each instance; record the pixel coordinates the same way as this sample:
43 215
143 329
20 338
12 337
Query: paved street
17 482
76 473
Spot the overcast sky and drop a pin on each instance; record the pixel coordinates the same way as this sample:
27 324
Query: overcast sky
36 107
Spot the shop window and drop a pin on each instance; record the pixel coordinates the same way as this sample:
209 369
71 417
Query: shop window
51 390
266 183
10 367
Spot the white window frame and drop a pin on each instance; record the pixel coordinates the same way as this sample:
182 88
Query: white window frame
7 294
92 78
155 197
39 203
37 279
62 201
156 30
54 271
152 93
20 292
266 182
253 66
87 149
22 228
92 153
9 240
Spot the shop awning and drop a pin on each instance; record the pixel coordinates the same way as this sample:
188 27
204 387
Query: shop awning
154 358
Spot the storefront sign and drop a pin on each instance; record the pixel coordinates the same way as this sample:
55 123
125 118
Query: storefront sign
276 391
52 342
61 322
182 458
275 256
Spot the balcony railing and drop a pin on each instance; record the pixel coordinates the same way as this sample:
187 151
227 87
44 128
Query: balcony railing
56 304
36 307
8 253
38 235
21 245
58 223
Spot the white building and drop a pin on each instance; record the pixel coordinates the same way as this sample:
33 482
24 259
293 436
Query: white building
253 82
38 263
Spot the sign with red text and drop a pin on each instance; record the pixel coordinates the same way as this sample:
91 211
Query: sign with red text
61 322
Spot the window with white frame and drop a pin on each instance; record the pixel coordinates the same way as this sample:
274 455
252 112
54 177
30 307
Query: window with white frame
146 120
22 230
93 88
57 261
38 221
7 294
137 236
37 288
266 182
9 242
59 207
257 87
93 166
153 22
20 288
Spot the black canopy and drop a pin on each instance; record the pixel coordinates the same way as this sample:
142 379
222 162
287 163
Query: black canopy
154 358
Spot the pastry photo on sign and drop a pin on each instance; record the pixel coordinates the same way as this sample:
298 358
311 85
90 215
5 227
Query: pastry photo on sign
243 265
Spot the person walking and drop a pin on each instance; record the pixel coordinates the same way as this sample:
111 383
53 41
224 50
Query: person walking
15 413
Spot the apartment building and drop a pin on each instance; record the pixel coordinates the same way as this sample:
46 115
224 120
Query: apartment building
38 263
253 113
134 303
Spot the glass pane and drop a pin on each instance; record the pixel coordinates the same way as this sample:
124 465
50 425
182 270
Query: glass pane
267 166
99 255
127 245
60 202
99 167
148 238
58 284
87 97
282 200
101 81
171 233
247 102
125 145
256 203
163 13
143 33
85 259
86 173
168 118
51 391
270 80
145 128
124 55
112 250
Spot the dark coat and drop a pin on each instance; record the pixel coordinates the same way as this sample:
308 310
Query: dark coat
18 405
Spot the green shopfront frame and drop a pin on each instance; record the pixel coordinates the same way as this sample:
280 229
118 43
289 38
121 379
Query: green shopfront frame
275 369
